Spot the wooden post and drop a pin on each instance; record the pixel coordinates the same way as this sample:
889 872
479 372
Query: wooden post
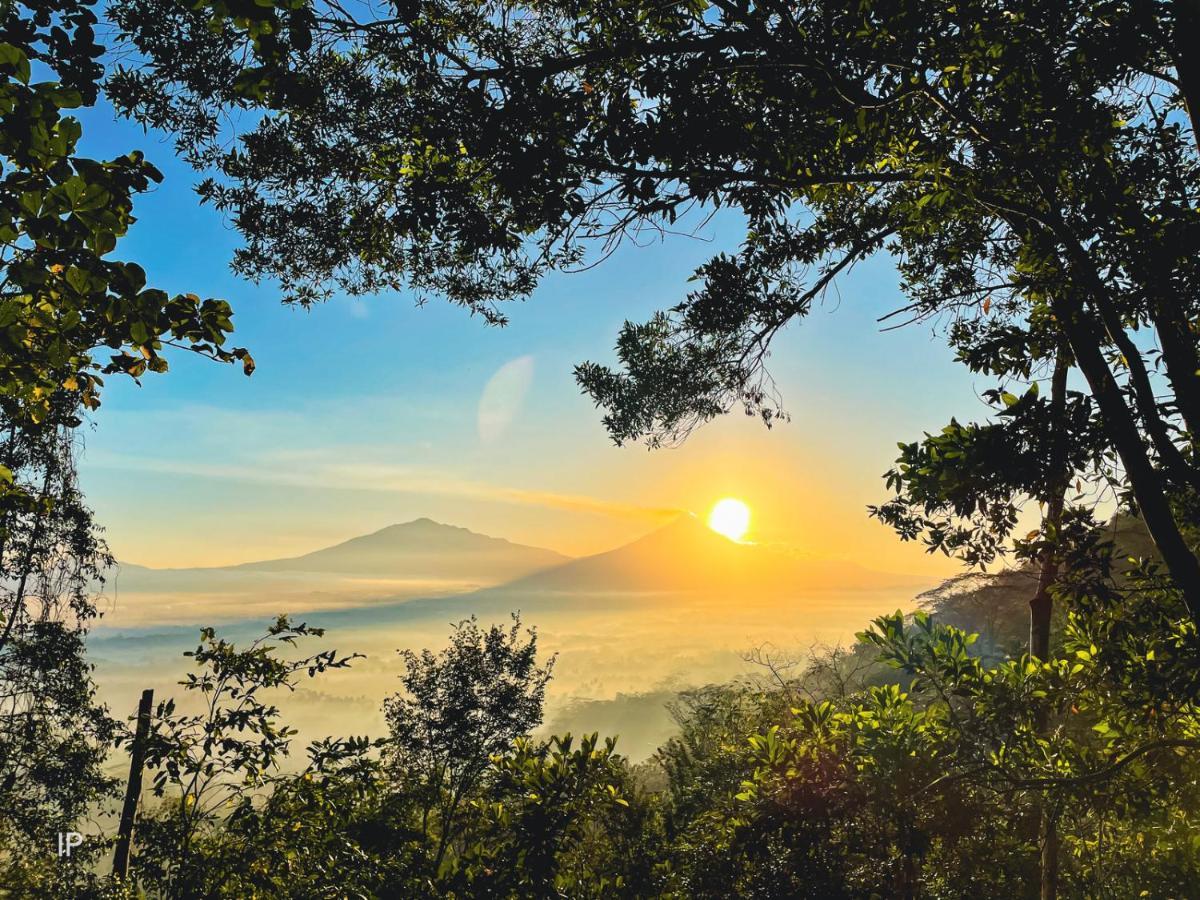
133 790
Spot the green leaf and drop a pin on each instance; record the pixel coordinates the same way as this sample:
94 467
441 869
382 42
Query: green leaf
15 59
65 98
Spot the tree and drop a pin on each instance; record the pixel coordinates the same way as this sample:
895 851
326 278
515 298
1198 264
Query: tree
69 316
61 215
462 801
50 556
209 764
458 709
54 735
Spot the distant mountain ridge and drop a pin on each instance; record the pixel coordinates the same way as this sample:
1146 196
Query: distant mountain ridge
421 548
686 555
418 558
426 565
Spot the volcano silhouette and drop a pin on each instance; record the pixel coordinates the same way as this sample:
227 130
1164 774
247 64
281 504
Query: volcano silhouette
685 555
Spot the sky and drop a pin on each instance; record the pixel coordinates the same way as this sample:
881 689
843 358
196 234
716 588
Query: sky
367 412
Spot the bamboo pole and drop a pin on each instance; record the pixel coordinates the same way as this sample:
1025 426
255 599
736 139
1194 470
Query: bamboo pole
133 790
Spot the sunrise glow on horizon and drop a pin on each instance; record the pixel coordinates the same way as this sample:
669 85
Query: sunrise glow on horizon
730 517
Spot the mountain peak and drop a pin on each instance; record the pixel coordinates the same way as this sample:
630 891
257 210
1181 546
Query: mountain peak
424 523
690 523
420 548
686 534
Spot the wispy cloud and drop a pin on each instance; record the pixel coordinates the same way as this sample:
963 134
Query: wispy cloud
583 503
309 470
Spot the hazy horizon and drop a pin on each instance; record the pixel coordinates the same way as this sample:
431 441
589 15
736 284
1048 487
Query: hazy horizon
667 517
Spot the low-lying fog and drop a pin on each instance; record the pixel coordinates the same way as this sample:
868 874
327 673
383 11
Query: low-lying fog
676 609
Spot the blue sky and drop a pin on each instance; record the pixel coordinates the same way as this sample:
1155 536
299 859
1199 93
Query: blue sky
367 412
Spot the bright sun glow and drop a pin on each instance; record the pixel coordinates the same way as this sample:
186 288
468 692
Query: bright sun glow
730 517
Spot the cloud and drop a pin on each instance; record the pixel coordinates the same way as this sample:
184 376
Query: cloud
308 470
348 446
581 503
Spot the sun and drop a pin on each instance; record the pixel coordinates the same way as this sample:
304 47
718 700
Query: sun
730 517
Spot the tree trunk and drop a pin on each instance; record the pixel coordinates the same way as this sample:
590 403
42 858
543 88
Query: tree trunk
1186 39
1176 465
1042 604
1179 356
18 600
1040 609
1147 484
908 873
1049 842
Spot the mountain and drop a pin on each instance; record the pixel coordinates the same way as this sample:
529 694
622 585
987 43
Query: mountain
422 548
425 568
685 555
415 560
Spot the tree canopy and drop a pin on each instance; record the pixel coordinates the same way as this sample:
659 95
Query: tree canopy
70 315
61 215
